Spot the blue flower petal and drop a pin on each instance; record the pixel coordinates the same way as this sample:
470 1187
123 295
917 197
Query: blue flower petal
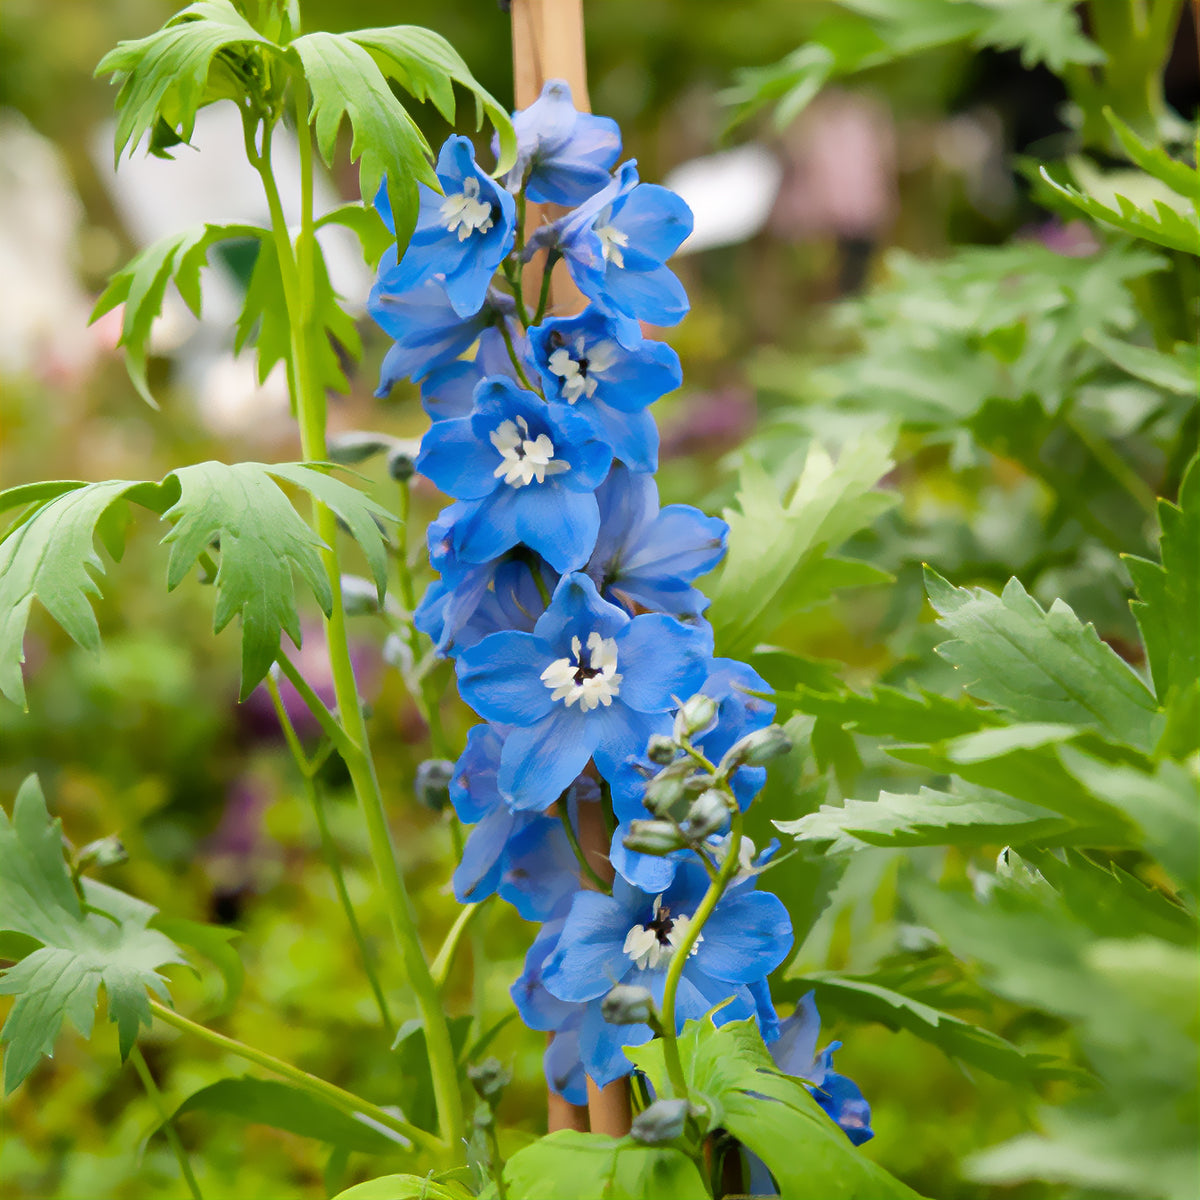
540 762
748 935
603 1046
661 660
588 960
563 1065
500 678
454 459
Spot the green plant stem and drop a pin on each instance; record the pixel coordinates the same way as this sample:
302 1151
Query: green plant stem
314 703
552 257
354 747
168 1124
512 354
347 1102
497 1163
446 955
586 867
704 910
512 272
1119 470
308 772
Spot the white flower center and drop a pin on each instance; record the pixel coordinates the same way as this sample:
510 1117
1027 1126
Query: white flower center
465 211
612 240
592 683
524 459
652 945
578 366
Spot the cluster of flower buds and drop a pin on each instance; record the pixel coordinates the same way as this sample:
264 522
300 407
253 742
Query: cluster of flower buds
566 596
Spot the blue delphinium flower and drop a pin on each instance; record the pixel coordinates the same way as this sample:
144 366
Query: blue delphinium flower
449 391
523 856
795 1053
588 682
647 557
563 156
462 236
630 936
616 243
528 472
582 363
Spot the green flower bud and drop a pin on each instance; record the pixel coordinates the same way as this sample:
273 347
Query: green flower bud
661 750
432 784
628 1005
357 446
402 464
653 837
359 596
663 1121
489 1078
695 716
668 788
709 813
104 852
757 748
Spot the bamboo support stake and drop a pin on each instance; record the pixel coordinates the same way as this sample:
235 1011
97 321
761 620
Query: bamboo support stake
548 43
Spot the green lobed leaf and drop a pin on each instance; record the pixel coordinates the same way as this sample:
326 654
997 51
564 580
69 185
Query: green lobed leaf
405 1187
141 284
1169 594
865 1000
366 224
729 1071
1177 372
165 77
345 81
593 1166
777 562
1154 160
213 942
1039 665
282 1106
81 947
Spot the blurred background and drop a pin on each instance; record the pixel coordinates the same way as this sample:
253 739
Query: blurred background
822 305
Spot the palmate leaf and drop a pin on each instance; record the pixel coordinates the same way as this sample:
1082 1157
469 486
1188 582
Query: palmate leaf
168 76
778 561
51 554
1154 160
1168 607
729 1071
1177 372
141 284
1039 665
80 945
345 81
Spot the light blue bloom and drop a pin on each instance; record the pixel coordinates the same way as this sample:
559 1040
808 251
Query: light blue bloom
589 682
564 156
647 557
528 472
449 391
523 856
630 936
616 243
583 363
462 236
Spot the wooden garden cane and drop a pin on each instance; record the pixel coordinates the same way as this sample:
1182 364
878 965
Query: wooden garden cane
547 38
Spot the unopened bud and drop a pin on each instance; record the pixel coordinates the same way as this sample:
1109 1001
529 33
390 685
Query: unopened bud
663 1121
489 1078
667 789
360 597
695 716
432 784
628 1005
758 748
104 852
653 837
661 750
357 446
397 653
708 814
402 464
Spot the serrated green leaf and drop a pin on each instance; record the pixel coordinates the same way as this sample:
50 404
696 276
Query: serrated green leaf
52 556
1168 601
1044 31
1154 160
405 1187
730 1071
427 67
80 948
366 224
213 942
593 1166
777 548
1039 665
282 1106
345 81
141 284
1164 226
166 76
865 1000
1177 372
965 817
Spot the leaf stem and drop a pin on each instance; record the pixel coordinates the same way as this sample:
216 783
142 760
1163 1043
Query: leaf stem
704 910
512 272
347 1102
586 867
168 1124
446 955
512 354
314 703
329 848
552 257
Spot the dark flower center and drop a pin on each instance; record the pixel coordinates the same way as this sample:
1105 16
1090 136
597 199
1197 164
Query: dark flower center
661 925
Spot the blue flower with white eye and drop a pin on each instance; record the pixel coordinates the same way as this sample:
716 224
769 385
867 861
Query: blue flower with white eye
563 156
461 236
528 472
795 1053
582 363
449 391
616 243
523 856
589 682
631 936
647 557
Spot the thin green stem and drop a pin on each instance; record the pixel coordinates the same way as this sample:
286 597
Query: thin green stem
512 354
297 275
314 704
679 959
512 272
408 592
586 867
168 1124
345 1101
444 961
552 256
1120 471
540 584
497 1163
